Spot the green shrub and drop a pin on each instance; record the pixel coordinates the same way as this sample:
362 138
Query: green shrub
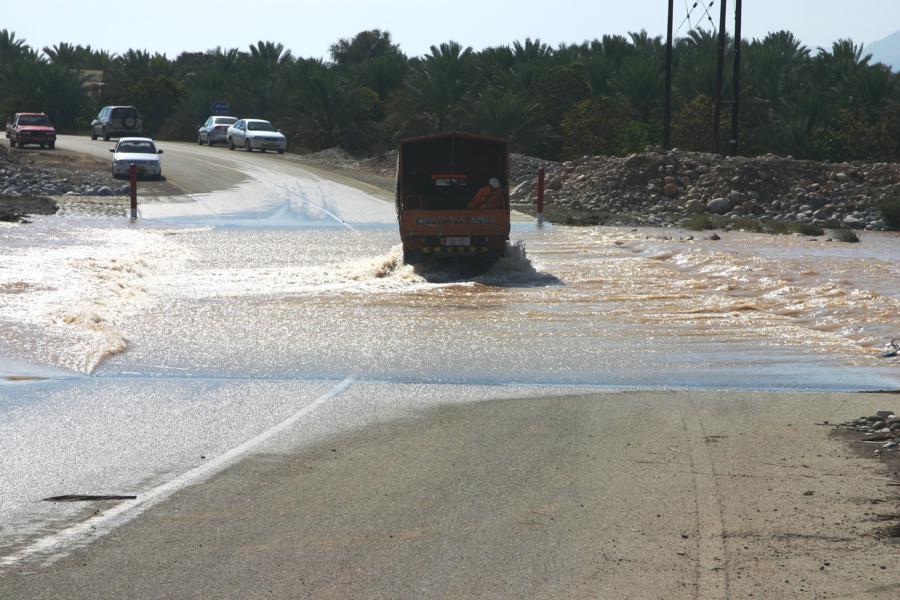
777 227
845 235
699 222
805 228
574 216
890 211
595 126
748 224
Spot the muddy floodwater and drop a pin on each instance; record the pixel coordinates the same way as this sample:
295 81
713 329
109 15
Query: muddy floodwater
587 306
131 354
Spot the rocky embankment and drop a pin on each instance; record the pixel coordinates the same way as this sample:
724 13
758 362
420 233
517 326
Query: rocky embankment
657 188
522 168
22 175
676 188
384 165
36 182
882 429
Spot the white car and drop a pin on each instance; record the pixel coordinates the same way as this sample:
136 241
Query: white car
138 150
214 130
255 134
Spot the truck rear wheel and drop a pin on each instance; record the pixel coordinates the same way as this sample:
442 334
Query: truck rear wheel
413 257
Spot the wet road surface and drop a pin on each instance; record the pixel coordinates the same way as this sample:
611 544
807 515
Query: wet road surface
224 313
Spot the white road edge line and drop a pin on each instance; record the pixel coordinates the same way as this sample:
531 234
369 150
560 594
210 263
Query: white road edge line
105 522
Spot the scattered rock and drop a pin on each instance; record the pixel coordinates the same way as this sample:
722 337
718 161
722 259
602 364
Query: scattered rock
20 176
663 188
655 187
877 428
718 206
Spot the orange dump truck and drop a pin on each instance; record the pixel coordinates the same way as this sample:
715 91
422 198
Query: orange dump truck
442 183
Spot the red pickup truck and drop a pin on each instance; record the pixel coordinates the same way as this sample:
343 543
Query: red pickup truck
31 128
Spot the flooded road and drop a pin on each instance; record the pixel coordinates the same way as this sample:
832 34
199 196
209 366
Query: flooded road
132 353
585 306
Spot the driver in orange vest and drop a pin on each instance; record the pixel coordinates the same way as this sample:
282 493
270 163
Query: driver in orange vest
490 196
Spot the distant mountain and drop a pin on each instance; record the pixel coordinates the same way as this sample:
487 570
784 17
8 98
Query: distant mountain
886 51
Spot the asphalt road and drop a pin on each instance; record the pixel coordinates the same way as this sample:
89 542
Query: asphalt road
277 488
193 169
613 495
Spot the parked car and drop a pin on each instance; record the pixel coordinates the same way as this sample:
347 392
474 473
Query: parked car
31 128
214 130
138 150
256 134
116 121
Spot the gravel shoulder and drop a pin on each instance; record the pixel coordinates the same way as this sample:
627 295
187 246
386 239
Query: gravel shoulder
622 494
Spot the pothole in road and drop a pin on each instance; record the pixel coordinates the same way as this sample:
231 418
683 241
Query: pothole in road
87 498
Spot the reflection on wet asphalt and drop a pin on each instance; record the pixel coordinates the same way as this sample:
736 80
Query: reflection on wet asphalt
176 339
596 306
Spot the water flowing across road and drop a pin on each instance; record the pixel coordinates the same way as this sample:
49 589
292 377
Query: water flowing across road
222 312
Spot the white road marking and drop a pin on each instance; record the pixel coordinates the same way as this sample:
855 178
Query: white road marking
53 545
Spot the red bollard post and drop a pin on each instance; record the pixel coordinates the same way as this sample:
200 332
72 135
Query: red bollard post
132 174
540 197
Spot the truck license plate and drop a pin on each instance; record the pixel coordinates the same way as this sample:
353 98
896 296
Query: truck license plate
456 241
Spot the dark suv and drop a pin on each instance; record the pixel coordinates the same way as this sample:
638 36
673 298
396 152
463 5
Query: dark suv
116 121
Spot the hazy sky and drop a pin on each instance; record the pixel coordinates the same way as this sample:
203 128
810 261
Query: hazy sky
309 27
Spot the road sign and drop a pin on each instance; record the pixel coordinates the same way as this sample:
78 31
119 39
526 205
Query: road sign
220 108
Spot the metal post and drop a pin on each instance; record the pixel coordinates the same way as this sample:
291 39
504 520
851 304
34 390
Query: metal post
540 197
720 66
132 174
667 114
736 79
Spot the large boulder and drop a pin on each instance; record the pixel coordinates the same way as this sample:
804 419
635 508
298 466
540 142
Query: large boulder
694 207
718 206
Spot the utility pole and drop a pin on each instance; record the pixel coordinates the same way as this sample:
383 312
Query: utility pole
720 66
736 79
667 113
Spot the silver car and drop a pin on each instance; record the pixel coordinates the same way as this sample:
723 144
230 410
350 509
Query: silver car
215 130
256 134
139 151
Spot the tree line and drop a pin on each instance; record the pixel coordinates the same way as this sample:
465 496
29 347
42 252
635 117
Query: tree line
599 97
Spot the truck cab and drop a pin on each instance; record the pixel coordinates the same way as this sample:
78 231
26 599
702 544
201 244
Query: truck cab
438 176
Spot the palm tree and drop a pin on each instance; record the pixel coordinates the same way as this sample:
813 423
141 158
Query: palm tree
640 78
509 115
601 59
494 64
440 84
695 67
532 51
263 80
270 54
12 49
335 112
383 74
774 67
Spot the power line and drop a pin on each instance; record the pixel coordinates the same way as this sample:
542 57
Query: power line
687 17
709 17
690 12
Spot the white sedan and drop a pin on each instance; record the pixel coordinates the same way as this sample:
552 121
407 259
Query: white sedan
256 134
139 151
